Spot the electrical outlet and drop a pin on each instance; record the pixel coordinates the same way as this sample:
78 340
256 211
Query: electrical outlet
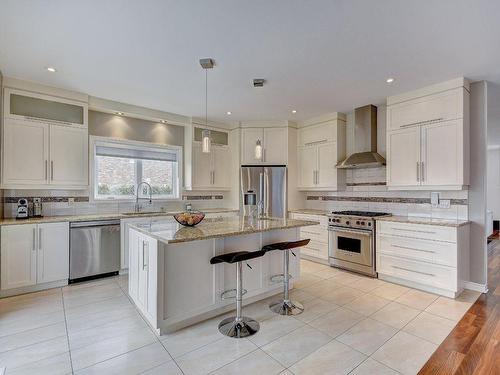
444 203
434 199
71 201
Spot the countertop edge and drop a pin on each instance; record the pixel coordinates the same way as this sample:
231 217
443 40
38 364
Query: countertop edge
305 211
424 221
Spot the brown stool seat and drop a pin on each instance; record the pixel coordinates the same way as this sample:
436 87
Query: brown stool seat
287 245
237 256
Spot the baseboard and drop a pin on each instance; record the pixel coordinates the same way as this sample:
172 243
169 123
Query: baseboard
483 288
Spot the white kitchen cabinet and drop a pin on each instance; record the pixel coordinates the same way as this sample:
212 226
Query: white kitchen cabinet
34 254
18 256
327 161
428 138
25 153
317 167
434 258
274 142
53 252
317 248
68 156
211 171
308 163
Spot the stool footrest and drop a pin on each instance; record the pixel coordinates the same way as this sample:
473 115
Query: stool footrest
231 293
286 307
279 278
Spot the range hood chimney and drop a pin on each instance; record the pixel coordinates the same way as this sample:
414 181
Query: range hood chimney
365 134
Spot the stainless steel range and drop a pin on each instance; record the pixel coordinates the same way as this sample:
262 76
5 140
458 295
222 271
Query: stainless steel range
352 240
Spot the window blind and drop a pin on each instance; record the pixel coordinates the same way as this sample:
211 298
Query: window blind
136 153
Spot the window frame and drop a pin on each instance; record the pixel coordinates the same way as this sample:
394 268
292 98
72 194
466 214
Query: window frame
124 143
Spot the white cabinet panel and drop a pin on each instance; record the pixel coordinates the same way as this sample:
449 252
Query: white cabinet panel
53 252
202 167
211 170
275 145
317 134
18 256
68 156
403 151
221 168
249 137
25 152
327 161
442 153
308 161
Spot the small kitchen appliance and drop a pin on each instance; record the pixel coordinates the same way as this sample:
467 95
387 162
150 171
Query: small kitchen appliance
37 207
22 209
351 240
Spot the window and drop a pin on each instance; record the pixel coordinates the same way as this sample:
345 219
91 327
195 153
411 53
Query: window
120 166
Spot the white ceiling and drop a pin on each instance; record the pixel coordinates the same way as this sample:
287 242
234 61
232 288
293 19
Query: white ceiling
318 56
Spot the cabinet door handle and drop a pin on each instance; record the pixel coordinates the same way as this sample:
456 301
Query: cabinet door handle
409 270
412 248
52 170
34 239
422 171
418 171
39 238
414 230
143 255
213 177
46 169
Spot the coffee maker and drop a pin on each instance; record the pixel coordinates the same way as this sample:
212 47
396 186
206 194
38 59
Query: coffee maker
22 209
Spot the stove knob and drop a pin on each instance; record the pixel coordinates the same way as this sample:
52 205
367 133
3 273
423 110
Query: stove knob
346 223
369 224
362 223
357 222
338 220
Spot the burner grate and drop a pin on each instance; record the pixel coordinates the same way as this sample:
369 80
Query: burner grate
360 213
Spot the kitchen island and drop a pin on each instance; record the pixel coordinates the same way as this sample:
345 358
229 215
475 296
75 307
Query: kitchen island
172 282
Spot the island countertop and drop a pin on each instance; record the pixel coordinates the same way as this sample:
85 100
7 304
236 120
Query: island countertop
169 231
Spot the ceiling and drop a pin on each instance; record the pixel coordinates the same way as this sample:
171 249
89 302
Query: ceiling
317 56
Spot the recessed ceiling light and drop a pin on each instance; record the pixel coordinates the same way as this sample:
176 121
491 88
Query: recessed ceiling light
389 80
228 113
51 69
163 122
294 111
119 113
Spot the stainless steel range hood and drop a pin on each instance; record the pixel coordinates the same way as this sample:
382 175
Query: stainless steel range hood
365 140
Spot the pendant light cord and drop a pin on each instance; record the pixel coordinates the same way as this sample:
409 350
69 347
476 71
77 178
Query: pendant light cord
206 97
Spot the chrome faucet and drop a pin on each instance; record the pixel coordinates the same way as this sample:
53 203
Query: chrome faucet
137 206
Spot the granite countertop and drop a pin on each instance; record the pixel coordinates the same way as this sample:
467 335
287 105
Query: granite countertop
111 216
307 211
170 232
424 220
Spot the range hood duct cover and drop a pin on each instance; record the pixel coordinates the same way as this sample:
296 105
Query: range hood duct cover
365 119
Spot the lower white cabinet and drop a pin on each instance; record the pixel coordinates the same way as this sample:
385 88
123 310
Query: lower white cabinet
34 254
143 273
430 257
317 249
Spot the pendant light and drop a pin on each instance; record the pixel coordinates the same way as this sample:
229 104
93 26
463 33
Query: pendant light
258 150
206 142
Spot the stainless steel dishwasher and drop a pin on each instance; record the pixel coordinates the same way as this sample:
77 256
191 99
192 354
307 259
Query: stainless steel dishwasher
94 249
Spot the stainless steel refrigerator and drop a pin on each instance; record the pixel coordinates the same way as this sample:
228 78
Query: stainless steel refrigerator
269 183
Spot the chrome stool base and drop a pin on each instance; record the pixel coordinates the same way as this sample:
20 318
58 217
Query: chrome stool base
287 307
243 328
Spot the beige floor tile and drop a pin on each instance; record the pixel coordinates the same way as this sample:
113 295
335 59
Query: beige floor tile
416 299
430 327
169 368
405 353
342 295
257 362
336 322
291 348
131 363
56 365
449 308
327 273
300 295
367 284
322 288
190 338
260 310
468 296
333 358
29 323
367 304
395 315
274 328
311 267
372 367
305 280
110 304
367 336
33 353
390 291
92 295
98 319
345 278
111 347
214 356
315 308
32 336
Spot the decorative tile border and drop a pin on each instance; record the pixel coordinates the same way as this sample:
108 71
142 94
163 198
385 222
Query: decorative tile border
461 202
46 199
366 184
201 197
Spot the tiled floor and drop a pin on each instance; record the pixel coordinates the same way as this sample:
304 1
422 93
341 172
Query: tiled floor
351 325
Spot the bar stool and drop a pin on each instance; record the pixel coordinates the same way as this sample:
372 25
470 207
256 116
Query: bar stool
238 326
286 306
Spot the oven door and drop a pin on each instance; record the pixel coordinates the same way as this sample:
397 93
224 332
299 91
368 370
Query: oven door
351 245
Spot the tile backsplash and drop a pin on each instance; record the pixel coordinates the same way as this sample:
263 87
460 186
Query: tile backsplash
366 191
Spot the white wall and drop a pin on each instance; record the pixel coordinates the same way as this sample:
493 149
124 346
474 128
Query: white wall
493 181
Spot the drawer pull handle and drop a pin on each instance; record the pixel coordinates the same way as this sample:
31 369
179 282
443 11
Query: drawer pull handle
414 230
409 270
412 248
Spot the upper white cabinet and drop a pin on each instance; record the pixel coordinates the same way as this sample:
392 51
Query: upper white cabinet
428 138
320 147
211 171
34 254
274 142
44 145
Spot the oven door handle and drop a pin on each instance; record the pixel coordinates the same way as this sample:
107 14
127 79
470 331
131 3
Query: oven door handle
354 231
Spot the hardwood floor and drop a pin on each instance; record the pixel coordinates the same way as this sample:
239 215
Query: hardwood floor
473 347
